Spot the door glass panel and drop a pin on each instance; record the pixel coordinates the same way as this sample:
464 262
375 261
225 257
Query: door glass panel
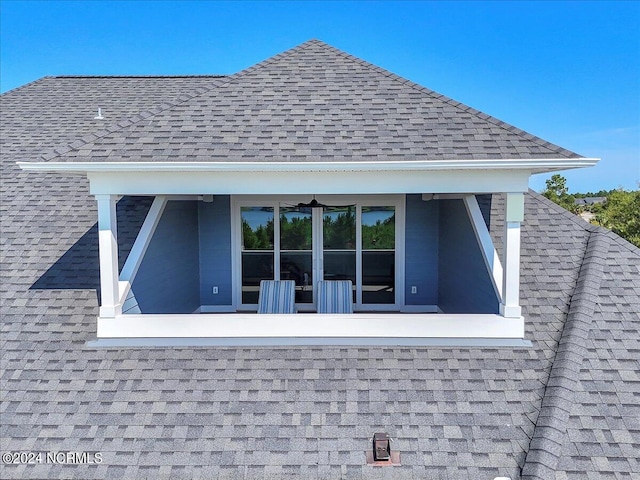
298 266
339 228
378 228
257 250
256 266
337 250
296 257
378 255
295 229
340 265
378 277
339 244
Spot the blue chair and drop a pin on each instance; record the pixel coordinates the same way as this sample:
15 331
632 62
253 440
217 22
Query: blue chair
335 296
277 296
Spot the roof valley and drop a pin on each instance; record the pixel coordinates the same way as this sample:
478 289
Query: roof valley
550 430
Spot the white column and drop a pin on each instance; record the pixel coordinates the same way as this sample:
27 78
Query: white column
514 215
108 243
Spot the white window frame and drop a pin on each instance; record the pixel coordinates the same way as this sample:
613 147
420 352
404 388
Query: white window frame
276 201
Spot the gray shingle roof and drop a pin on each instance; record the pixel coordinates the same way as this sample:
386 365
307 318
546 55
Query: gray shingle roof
311 103
297 412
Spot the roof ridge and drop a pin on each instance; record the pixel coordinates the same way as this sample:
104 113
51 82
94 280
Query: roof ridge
205 75
28 84
545 448
454 103
78 143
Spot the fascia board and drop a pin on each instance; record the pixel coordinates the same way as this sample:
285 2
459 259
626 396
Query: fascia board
286 182
532 165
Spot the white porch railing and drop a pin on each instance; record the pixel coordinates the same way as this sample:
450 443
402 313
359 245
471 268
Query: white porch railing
363 325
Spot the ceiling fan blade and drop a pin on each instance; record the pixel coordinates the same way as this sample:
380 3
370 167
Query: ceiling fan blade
316 204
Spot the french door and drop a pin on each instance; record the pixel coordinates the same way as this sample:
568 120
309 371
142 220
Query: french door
343 238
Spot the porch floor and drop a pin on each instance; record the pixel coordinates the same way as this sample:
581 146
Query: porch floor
312 325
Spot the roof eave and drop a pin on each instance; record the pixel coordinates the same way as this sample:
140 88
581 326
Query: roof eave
532 165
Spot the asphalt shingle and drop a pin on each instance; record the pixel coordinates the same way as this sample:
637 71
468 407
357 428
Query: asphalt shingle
297 412
311 103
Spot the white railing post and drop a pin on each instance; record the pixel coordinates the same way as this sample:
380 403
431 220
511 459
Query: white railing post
108 243
514 215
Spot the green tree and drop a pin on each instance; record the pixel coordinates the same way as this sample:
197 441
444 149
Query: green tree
558 192
260 239
340 232
295 234
379 236
621 214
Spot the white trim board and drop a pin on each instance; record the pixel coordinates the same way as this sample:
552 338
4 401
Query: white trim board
139 248
535 165
359 201
361 325
420 309
304 182
216 309
288 342
489 253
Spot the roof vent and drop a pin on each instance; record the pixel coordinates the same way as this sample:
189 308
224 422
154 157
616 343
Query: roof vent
99 115
381 453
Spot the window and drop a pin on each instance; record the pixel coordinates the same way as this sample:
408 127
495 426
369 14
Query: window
378 255
347 238
257 250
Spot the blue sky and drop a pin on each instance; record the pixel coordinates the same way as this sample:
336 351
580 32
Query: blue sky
568 72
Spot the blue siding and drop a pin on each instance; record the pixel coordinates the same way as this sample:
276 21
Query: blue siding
421 251
215 251
484 202
168 278
465 285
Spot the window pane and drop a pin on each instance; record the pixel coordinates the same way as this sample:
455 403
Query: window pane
339 228
339 242
257 228
378 228
378 277
341 265
256 266
298 266
295 229
257 261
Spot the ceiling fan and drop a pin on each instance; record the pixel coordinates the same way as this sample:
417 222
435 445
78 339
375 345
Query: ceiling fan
312 204
316 204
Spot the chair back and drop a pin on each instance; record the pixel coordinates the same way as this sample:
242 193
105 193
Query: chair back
335 296
277 296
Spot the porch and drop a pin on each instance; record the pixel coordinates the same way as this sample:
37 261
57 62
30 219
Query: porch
339 329
194 270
